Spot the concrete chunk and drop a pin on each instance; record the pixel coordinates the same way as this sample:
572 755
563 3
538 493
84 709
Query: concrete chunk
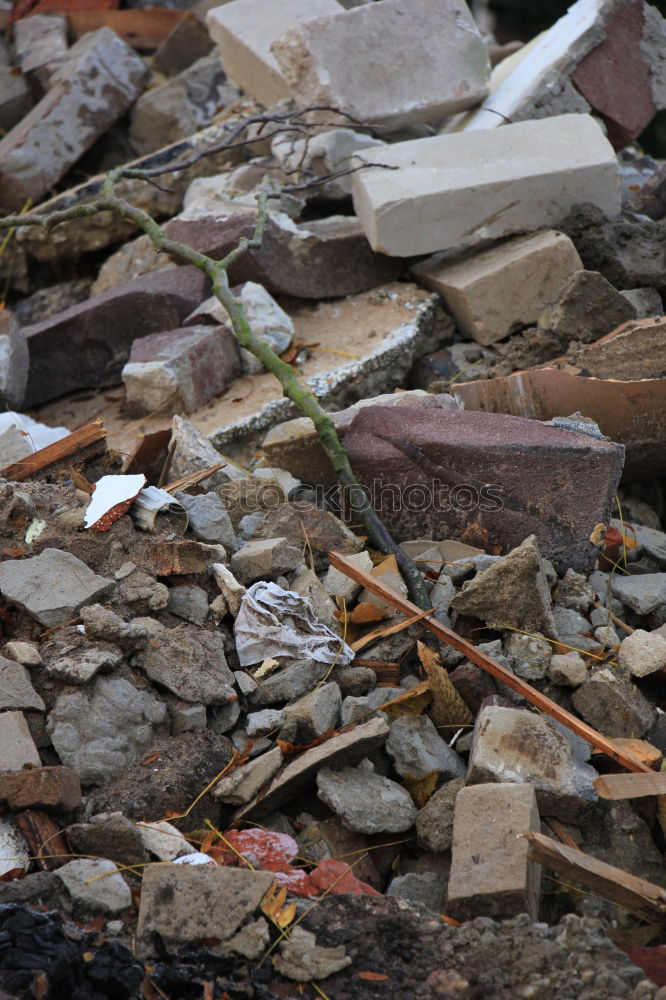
438 62
495 292
52 586
455 190
244 31
17 747
40 42
93 86
491 874
96 885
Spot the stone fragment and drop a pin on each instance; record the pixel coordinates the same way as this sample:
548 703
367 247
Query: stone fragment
231 590
528 655
269 323
573 629
320 258
614 705
99 734
56 789
512 593
204 901
180 370
588 307
13 361
424 890
430 204
208 519
102 330
16 690
568 669
418 751
183 105
303 523
306 583
642 653
323 153
346 749
163 840
17 747
302 959
491 874
184 44
103 624
439 462
108 835
641 593
495 292
190 662
96 886
366 802
244 35
359 708
647 302
269 720
93 86
52 586
40 43
246 781
15 97
265 559
26 653
571 67
133 259
293 680
185 718
315 713
511 744
573 591
79 664
188 601
434 822
338 584
441 64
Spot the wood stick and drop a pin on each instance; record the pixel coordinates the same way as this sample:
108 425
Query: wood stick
489 665
56 452
644 898
44 838
630 786
193 478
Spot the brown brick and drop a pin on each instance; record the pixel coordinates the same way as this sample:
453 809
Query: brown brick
56 789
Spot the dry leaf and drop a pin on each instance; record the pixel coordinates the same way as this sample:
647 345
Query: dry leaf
421 789
447 709
366 612
412 702
272 905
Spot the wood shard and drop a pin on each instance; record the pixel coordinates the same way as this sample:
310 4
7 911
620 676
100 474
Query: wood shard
630 786
77 444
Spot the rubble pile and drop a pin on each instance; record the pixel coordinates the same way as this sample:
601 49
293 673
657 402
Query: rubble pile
236 759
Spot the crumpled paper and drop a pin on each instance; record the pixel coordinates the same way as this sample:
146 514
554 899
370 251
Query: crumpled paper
276 622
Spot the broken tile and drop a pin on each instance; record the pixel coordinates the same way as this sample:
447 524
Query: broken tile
244 32
180 370
491 874
430 204
204 902
439 60
511 744
85 98
52 586
495 292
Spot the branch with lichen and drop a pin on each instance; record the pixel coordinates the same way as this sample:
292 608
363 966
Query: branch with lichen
293 389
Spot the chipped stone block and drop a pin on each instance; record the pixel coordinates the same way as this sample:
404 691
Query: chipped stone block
205 901
52 586
101 331
439 64
511 744
491 874
520 177
588 307
614 705
180 370
13 361
40 43
93 86
244 31
495 292
96 885
246 781
17 747
181 106
389 448
366 802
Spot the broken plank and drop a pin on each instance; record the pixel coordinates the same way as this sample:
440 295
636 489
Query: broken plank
491 666
66 447
630 786
193 478
45 839
643 898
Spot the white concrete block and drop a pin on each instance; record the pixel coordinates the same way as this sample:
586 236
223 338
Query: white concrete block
244 31
495 292
456 190
390 63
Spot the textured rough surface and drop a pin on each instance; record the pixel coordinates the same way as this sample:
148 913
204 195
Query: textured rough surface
52 586
430 203
95 84
614 705
17 747
434 472
366 802
16 690
96 885
510 744
418 750
13 361
495 292
438 62
491 874
102 330
187 902
191 663
641 653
